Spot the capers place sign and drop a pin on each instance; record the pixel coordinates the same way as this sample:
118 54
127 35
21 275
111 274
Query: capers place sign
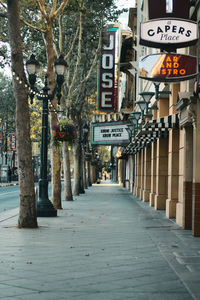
168 67
165 33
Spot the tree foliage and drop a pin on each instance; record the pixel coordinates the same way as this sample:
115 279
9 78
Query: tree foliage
7 104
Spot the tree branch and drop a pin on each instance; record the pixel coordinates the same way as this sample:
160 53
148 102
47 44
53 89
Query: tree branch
53 9
3 15
91 68
33 27
60 34
41 7
3 4
78 55
61 8
72 44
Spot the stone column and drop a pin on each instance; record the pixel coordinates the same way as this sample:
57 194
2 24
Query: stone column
139 174
153 174
161 174
130 173
136 175
179 206
188 174
196 171
142 174
124 172
127 173
147 174
163 105
120 172
173 173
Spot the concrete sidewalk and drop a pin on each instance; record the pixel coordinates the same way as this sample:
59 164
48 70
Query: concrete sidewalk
106 244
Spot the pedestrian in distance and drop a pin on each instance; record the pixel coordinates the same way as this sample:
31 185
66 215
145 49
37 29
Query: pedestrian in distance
9 174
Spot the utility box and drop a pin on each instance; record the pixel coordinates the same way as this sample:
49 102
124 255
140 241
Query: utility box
4 173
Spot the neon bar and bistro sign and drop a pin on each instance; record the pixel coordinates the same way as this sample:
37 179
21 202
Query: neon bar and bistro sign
163 33
168 67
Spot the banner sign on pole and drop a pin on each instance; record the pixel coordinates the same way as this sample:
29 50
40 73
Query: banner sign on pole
168 67
109 134
107 91
167 33
12 141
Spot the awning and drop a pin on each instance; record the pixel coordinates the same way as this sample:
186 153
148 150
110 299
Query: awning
150 132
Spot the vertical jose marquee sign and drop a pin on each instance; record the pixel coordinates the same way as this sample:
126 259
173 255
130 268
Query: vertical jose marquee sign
107 88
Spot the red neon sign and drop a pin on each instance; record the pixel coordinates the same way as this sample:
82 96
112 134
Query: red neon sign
168 67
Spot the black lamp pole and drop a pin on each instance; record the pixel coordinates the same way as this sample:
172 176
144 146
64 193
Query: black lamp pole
45 207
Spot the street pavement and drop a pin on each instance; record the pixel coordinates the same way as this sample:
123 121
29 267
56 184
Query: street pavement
106 244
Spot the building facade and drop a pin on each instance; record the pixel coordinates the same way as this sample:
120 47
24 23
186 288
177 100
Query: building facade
161 165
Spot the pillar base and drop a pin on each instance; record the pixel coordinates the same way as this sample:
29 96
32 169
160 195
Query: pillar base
179 214
138 192
131 187
145 197
135 191
171 208
152 199
160 202
196 209
141 194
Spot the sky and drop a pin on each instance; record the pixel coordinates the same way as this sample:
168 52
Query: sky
123 19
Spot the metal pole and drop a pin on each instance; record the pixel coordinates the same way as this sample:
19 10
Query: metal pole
44 206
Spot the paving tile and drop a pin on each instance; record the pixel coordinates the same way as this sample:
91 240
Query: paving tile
106 244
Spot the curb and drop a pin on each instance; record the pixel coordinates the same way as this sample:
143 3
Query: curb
8 214
9 184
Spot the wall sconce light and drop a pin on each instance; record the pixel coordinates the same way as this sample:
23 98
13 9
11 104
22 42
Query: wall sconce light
136 114
157 92
143 107
146 96
131 130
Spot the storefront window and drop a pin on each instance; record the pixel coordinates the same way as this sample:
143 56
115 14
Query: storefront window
169 6
142 5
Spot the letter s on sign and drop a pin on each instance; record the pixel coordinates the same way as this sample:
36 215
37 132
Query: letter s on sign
107 80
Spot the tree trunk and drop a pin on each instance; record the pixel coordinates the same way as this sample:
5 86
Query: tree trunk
89 172
67 174
27 212
76 170
56 177
55 161
81 171
85 175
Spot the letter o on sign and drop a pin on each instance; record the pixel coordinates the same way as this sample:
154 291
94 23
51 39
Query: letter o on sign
107 61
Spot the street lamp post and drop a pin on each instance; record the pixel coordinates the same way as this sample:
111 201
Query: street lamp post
86 149
44 206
